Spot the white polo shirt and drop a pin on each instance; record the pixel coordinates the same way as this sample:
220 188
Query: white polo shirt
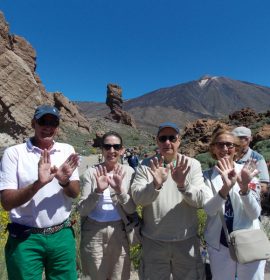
19 168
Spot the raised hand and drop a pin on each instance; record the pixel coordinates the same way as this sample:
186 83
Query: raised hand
101 178
180 170
115 181
228 175
158 171
248 171
64 172
45 172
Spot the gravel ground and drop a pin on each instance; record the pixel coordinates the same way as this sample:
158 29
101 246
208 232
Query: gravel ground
87 161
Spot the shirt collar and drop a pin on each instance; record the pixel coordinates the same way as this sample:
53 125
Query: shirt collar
32 148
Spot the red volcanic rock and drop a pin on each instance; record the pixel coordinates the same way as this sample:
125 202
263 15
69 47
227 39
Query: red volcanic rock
245 116
114 101
197 135
21 89
262 134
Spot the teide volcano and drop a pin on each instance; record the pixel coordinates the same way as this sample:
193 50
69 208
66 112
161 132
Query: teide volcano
208 97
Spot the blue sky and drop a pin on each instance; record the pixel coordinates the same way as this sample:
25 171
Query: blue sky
142 45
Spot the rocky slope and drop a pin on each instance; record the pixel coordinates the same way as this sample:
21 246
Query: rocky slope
21 91
196 135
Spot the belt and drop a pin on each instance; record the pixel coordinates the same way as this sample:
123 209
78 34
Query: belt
50 230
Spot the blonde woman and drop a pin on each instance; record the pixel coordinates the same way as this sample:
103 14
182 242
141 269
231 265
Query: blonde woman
237 194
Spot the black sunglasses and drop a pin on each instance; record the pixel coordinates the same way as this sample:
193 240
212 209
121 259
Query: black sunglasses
107 147
44 122
164 138
229 145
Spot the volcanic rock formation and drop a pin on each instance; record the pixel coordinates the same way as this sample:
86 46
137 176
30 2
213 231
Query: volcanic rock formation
114 101
21 90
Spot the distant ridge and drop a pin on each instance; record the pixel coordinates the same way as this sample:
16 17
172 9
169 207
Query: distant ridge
207 97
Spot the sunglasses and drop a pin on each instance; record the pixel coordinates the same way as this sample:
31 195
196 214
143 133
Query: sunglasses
44 122
229 145
116 147
164 138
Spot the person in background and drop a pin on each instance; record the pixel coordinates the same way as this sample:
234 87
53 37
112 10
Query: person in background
39 180
246 153
238 195
133 159
170 188
99 158
104 246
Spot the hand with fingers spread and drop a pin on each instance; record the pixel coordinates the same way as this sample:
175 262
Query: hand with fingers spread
66 169
158 171
228 174
115 181
45 172
180 170
248 171
101 178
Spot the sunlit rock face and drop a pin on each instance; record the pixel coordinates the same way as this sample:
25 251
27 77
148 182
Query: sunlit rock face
21 90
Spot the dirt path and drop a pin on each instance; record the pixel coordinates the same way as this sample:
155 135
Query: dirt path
86 162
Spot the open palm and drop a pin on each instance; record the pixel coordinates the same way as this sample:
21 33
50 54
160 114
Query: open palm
158 171
115 181
180 171
67 168
101 178
45 172
227 172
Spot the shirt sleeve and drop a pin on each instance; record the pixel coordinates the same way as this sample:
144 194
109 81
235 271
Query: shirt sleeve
8 167
262 167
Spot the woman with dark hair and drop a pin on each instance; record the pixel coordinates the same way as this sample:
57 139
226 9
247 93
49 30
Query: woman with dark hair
236 192
104 246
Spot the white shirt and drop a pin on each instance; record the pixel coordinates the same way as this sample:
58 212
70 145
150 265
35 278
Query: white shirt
105 210
19 168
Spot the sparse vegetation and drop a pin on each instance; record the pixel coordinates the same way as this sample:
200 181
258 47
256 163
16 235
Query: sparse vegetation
206 160
3 238
82 143
263 147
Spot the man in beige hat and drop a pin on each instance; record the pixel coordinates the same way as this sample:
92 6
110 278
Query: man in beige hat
245 137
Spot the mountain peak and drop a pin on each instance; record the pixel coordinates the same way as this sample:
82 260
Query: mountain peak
204 80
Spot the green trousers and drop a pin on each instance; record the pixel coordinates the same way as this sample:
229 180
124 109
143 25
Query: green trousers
54 253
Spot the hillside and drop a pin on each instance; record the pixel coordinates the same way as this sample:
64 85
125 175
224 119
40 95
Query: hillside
208 97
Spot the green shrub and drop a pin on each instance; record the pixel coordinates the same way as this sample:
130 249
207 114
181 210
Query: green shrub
4 219
263 147
206 160
135 255
202 221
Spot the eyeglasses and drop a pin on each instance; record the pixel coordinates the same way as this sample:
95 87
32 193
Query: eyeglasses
44 122
116 147
164 138
229 145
